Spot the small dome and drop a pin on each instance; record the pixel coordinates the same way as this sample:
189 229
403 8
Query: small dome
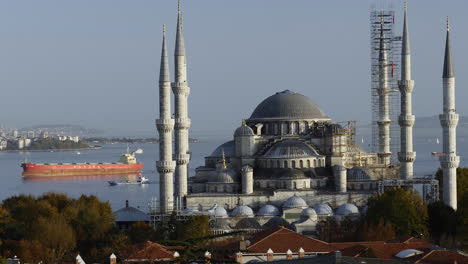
220 212
408 253
226 176
221 223
347 209
276 221
287 105
228 147
268 210
309 213
248 223
243 131
323 209
290 149
242 211
295 202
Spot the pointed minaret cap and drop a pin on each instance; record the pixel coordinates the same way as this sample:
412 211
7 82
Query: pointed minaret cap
164 68
269 251
301 250
289 252
448 64
180 45
405 45
112 256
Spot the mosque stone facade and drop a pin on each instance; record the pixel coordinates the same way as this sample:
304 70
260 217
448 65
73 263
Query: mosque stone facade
288 150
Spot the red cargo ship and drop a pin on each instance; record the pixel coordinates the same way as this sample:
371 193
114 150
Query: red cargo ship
126 164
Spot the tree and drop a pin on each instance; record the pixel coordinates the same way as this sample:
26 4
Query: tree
196 227
56 235
382 231
404 210
140 232
443 220
462 182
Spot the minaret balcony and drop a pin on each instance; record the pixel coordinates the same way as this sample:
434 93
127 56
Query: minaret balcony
182 159
165 125
449 161
165 166
406 156
180 88
384 122
406 86
182 123
406 120
449 120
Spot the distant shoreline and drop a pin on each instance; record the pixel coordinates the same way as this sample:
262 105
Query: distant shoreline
51 150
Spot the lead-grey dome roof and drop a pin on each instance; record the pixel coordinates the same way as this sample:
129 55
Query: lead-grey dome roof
268 210
228 147
220 212
290 149
243 131
226 176
323 209
130 214
242 211
347 209
288 105
295 202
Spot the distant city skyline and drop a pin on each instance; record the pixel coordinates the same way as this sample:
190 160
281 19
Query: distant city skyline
96 64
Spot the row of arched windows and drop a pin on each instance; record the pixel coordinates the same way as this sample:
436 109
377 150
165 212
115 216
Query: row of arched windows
293 164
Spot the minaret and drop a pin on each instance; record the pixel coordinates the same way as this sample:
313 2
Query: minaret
165 125
383 123
449 120
406 156
182 122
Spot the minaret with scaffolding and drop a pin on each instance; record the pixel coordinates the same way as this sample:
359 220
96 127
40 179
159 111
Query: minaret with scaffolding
385 68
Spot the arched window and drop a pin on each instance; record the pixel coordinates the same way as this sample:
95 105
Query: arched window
295 185
301 164
272 164
315 163
308 163
286 164
278 165
293 164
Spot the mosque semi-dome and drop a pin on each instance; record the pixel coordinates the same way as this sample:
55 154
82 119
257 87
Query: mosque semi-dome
290 149
229 149
287 105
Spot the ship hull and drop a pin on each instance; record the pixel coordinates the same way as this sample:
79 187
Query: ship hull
81 169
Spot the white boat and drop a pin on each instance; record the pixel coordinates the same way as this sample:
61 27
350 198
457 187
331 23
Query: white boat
141 180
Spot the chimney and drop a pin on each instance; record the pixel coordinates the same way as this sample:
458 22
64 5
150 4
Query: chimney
239 257
242 245
126 203
289 254
78 260
301 253
269 255
113 259
337 257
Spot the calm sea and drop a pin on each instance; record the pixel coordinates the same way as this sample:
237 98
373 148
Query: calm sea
140 196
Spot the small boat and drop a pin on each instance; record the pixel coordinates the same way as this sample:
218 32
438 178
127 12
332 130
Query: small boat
437 141
141 180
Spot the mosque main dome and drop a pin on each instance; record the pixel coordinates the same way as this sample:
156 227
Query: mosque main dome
287 105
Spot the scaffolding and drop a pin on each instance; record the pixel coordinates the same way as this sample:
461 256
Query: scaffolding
393 47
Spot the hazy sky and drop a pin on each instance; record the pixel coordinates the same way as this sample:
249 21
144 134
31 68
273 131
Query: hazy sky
95 63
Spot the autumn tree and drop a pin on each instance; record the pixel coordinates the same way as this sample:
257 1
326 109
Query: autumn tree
404 210
140 232
381 231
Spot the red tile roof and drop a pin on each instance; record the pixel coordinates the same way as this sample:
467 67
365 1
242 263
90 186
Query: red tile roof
150 251
442 257
280 239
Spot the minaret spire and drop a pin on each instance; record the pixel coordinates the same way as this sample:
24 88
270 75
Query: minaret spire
165 125
449 121
406 156
182 122
383 91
